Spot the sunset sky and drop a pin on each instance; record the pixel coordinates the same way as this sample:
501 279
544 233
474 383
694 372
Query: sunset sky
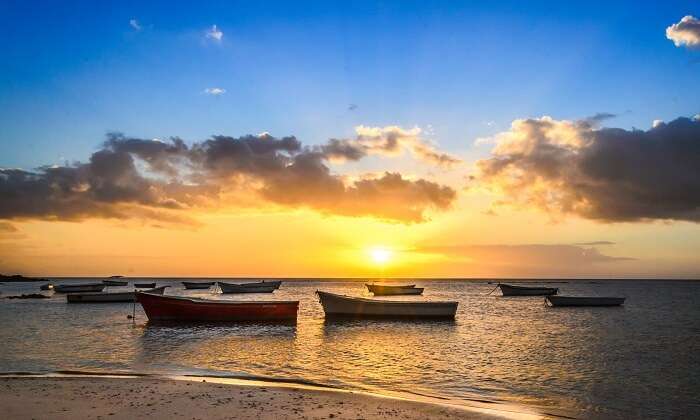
329 139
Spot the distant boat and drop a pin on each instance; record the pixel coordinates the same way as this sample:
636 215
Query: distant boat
100 297
247 288
47 286
145 285
275 283
114 282
388 290
197 285
584 301
345 306
186 309
510 290
78 288
116 277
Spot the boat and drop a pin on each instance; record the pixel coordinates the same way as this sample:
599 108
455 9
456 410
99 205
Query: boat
388 290
275 283
108 297
197 285
145 285
79 288
47 286
187 309
247 288
346 306
114 282
584 301
510 290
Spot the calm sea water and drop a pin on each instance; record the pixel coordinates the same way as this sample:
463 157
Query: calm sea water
637 361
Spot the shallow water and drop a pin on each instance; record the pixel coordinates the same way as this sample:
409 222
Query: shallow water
635 361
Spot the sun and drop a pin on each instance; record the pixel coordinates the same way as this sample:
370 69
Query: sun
380 255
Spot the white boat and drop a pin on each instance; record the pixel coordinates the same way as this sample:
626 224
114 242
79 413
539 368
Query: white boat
392 290
345 306
109 297
511 290
247 288
78 288
584 301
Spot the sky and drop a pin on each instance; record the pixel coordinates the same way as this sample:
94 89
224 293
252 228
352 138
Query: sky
305 139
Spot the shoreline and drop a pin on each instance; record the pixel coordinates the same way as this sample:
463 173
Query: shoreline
20 395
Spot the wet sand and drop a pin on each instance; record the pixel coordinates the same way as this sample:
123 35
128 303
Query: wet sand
127 398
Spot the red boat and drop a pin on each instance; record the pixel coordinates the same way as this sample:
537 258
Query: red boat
187 309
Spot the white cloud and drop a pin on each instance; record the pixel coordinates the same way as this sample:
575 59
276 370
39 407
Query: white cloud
215 33
135 24
214 91
686 32
657 123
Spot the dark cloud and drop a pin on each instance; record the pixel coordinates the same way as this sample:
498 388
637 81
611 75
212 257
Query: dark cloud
153 179
597 119
608 174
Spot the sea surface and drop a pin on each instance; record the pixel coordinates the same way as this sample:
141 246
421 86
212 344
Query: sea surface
641 360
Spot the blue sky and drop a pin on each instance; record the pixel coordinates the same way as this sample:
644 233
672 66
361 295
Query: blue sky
71 74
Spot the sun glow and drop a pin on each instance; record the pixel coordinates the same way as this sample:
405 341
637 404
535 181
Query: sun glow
380 255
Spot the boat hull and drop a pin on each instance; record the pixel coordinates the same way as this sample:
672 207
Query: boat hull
509 290
145 285
195 285
240 288
78 288
384 290
108 297
181 309
584 301
345 306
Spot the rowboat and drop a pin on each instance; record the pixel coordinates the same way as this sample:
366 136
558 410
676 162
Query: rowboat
247 288
47 286
275 283
114 282
187 309
345 306
144 285
584 301
78 288
108 297
510 290
197 285
387 290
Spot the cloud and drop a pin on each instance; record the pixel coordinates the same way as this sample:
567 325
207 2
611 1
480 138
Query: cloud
609 174
525 259
215 91
597 119
596 243
686 32
153 179
135 24
214 33
352 107
387 141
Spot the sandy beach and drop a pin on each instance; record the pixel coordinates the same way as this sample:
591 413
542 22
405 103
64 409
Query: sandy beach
126 398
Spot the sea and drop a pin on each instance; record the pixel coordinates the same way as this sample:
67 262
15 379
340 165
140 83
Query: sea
640 360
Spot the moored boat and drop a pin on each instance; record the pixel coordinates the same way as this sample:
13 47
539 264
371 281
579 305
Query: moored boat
275 283
584 301
197 285
78 288
391 290
114 282
345 306
145 285
187 309
247 288
47 286
511 290
108 297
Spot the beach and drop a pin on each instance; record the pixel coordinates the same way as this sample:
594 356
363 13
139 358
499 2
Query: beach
164 398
